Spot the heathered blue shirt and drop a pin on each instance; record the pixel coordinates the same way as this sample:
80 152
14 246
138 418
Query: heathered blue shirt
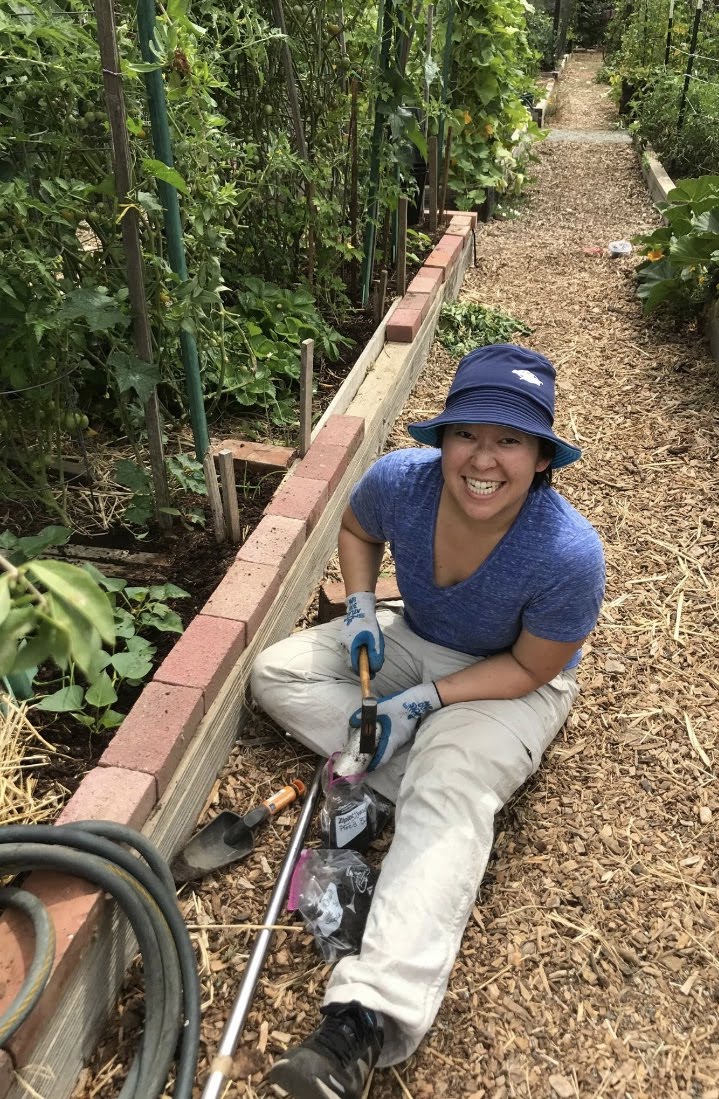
546 574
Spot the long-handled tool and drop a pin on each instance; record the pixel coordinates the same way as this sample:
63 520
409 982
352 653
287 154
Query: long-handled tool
229 837
354 759
221 1065
368 727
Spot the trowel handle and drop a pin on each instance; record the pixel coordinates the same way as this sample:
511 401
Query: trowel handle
365 682
284 797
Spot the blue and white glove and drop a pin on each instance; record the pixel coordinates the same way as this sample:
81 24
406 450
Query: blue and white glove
398 717
360 627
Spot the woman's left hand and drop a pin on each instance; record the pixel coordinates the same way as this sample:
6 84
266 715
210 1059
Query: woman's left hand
398 716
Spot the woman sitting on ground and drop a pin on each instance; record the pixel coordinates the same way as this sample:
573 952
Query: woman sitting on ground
475 672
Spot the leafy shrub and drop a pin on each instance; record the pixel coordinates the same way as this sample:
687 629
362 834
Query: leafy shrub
540 37
693 150
464 326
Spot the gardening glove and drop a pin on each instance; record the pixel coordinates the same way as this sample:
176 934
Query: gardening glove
398 717
360 627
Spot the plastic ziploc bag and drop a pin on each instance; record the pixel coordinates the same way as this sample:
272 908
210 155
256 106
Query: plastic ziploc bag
352 814
332 890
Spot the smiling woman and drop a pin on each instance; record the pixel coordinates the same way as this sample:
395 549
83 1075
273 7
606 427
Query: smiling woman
501 580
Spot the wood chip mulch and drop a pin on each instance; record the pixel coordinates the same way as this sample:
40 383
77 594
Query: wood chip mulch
591 965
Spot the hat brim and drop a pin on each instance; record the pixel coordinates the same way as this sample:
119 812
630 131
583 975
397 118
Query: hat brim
430 433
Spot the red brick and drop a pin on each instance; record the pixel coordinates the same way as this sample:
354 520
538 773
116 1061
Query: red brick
74 907
454 230
258 456
276 541
403 325
204 656
324 462
154 735
346 431
416 301
244 594
111 793
332 596
451 243
469 217
300 498
443 260
427 281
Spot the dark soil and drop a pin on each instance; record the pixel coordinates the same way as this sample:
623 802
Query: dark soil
197 564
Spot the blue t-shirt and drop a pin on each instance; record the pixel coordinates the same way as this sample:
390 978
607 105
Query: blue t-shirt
546 574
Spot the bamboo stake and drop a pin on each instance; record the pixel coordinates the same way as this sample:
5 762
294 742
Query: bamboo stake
306 372
213 496
354 199
401 278
228 488
432 213
134 263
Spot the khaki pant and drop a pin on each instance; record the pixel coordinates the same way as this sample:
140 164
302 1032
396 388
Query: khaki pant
465 763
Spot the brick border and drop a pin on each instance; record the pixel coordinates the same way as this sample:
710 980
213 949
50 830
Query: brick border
133 782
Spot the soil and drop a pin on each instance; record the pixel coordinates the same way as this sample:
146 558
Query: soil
590 965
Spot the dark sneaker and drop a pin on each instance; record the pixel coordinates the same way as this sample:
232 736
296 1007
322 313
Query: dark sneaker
336 1059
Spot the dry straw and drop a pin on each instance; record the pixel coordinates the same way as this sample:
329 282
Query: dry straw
21 747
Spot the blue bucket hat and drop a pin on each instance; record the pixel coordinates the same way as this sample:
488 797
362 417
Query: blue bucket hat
501 384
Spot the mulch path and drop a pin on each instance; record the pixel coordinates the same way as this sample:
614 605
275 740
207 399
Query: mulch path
591 965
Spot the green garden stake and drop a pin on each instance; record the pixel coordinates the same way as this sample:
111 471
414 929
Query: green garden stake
162 145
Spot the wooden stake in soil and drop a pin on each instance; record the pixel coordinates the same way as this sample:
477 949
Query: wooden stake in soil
382 293
445 174
306 373
402 247
134 264
228 488
432 189
428 57
213 495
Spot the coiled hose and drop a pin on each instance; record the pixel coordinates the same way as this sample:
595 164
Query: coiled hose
145 891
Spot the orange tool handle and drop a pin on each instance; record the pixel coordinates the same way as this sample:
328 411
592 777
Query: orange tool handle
365 682
285 796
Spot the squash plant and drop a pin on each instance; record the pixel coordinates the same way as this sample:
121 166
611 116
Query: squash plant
682 257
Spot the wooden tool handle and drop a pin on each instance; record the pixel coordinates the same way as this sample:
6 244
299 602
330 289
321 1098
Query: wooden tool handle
284 797
364 671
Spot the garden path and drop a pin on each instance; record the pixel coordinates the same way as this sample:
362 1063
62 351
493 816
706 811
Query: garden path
591 965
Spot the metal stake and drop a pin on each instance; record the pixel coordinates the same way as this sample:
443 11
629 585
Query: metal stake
222 1062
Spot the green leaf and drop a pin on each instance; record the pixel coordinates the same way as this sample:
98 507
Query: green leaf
63 701
18 623
33 545
656 282
124 624
102 692
133 374
141 645
160 617
80 591
95 307
692 250
161 171
131 665
168 591
5 600
84 640
111 719
132 476
49 643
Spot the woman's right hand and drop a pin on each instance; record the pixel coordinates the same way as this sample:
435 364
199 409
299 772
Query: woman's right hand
360 627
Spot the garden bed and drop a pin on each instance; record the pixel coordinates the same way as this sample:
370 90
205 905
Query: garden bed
160 766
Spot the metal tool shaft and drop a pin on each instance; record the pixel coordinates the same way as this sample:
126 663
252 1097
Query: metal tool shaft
222 1062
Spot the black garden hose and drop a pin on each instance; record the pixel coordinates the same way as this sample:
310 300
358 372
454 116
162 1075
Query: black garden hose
144 889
